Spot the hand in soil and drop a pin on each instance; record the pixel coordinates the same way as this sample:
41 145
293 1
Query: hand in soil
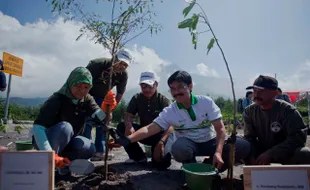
119 137
158 153
217 161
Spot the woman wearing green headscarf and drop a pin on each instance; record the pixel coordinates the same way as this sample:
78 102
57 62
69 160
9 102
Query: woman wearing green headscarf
61 120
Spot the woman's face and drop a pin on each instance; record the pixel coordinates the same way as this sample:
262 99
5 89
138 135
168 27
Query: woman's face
79 91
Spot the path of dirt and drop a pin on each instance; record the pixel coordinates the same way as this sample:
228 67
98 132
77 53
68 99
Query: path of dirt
122 176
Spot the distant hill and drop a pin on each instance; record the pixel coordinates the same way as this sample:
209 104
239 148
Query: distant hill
27 101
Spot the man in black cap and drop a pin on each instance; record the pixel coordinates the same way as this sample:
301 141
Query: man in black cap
274 128
282 96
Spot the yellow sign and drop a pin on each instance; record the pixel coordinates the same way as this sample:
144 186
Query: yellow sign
12 64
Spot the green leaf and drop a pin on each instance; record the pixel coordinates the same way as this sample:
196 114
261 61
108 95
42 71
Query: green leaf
210 45
4 128
187 23
195 19
194 39
19 129
188 8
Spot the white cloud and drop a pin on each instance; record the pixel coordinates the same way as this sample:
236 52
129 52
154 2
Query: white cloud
204 70
299 79
50 52
147 60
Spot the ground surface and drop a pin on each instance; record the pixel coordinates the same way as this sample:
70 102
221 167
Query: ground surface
122 176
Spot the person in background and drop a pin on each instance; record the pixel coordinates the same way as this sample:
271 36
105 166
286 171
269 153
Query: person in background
247 100
275 129
282 96
100 69
197 123
61 121
2 88
2 78
147 105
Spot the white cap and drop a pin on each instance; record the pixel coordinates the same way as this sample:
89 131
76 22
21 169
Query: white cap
148 78
125 56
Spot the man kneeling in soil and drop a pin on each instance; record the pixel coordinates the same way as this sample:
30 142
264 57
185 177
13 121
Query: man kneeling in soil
198 126
147 104
274 128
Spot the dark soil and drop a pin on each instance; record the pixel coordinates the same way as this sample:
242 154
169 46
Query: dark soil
94 181
122 176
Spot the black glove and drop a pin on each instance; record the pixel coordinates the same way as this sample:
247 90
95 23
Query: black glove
119 138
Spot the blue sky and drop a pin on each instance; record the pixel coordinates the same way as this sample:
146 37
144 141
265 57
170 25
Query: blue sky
258 37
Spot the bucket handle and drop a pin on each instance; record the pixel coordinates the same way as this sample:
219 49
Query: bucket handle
200 173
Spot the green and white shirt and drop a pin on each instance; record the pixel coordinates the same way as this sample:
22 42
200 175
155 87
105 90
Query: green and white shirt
199 116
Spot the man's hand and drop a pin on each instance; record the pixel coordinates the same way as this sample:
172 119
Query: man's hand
158 153
119 138
129 130
61 162
263 159
217 160
109 117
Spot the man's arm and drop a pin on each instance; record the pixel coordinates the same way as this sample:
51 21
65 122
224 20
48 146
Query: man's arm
214 114
220 135
165 102
121 87
145 132
128 119
118 97
162 122
250 135
249 131
166 135
296 137
131 111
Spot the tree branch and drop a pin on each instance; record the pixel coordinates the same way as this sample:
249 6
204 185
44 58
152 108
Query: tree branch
203 32
233 134
140 33
113 7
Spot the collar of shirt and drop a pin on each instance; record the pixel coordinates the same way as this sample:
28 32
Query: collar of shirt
190 111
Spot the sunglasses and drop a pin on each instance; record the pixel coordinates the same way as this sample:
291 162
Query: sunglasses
147 86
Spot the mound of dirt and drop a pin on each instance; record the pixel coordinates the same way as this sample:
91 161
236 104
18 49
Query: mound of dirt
94 181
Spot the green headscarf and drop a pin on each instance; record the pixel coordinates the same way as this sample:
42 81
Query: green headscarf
78 75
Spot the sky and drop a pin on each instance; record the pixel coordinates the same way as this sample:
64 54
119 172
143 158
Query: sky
258 37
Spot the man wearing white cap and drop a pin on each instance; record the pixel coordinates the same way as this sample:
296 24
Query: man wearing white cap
100 69
147 104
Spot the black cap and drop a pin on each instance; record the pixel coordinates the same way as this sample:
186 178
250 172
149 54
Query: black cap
265 82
